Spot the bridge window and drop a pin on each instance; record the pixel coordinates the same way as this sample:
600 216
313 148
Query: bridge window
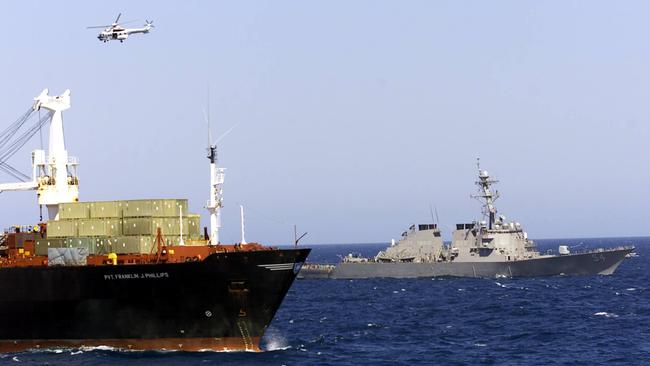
422 227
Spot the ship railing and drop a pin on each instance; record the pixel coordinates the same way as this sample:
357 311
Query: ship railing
596 250
72 160
19 229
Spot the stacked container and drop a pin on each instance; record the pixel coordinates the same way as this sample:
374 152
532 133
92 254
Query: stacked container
119 226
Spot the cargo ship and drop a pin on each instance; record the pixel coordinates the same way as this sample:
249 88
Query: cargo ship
130 274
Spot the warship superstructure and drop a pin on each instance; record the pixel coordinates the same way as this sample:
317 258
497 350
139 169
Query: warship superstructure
492 247
130 274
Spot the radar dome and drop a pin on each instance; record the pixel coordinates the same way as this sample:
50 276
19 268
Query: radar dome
484 173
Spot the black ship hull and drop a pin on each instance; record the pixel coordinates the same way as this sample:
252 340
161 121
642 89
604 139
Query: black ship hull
223 302
602 262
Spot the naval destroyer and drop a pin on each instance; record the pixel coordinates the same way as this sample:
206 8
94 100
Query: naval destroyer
492 247
130 274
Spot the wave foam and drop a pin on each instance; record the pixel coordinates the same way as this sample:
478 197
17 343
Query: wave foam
606 314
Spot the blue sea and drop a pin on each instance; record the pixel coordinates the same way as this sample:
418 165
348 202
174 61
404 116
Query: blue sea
596 320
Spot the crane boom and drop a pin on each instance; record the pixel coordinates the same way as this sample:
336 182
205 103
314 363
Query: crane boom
54 175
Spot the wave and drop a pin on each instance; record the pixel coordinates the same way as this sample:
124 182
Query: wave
606 314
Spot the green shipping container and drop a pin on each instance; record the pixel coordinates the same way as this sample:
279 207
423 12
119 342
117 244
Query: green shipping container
194 226
157 208
100 227
170 240
173 240
41 245
105 209
94 246
154 208
138 208
171 226
62 228
73 210
171 207
78 242
142 225
133 244
108 245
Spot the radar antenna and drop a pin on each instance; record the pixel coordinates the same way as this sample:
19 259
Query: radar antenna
485 195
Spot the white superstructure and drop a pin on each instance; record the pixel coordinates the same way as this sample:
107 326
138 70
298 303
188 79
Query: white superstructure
495 239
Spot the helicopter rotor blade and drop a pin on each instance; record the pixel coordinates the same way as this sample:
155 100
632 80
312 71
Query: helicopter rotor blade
127 22
99 26
118 18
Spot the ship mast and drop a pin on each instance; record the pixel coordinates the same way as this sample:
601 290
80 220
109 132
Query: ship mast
216 191
485 195
216 187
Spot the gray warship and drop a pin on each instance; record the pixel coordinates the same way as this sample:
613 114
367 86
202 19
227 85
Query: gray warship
490 248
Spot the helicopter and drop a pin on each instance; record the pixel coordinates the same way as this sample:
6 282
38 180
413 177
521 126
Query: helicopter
116 32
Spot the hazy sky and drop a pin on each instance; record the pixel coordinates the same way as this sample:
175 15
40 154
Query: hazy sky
354 116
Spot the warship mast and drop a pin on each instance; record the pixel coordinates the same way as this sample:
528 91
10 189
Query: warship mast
485 195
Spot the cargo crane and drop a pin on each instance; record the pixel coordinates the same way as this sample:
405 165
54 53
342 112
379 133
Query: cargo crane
54 176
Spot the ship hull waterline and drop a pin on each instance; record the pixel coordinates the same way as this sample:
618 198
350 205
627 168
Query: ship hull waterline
161 344
221 303
602 262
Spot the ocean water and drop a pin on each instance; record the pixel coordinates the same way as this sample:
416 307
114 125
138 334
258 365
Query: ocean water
596 320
